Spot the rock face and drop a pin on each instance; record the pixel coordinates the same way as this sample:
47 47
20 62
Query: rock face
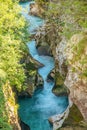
38 81
57 120
51 76
36 64
78 92
68 70
70 65
45 36
41 42
72 121
11 107
76 80
36 10
43 50
33 80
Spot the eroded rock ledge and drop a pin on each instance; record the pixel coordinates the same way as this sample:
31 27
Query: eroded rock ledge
34 80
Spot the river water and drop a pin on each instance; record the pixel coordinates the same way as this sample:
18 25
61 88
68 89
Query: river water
35 111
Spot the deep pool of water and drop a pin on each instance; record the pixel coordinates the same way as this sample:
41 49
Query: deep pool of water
35 111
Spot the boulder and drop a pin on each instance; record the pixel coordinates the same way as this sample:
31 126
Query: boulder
59 87
36 10
43 50
60 90
39 81
35 63
51 76
58 119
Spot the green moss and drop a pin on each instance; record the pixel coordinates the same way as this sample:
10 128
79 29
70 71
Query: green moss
73 122
79 56
30 66
75 114
74 117
59 79
59 88
79 48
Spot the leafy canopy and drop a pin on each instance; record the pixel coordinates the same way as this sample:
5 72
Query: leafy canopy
13 35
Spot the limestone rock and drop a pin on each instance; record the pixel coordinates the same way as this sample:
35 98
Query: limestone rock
73 121
78 91
60 57
36 63
36 10
76 84
51 76
11 107
39 81
75 80
57 120
33 78
73 128
33 82
62 51
43 50
60 90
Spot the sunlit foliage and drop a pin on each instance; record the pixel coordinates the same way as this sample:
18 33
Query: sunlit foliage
13 36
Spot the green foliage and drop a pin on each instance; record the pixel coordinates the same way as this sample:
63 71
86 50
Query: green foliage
75 17
12 43
13 36
69 16
41 2
66 18
74 119
79 59
80 48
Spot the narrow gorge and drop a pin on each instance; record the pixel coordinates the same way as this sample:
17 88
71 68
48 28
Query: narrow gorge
61 92
43 65
36 111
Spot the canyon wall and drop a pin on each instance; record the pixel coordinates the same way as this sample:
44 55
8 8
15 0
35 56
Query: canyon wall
11 107
70 66
67 40
69 72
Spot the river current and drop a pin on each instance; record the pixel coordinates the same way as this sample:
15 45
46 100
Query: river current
35 111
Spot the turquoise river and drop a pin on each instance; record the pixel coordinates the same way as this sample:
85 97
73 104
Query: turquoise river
35 111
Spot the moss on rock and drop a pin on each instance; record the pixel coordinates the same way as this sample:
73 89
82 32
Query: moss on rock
73 122
60 88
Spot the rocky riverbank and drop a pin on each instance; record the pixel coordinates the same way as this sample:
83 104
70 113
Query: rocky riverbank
67 81
70 67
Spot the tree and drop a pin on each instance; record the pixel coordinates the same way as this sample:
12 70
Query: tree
13 36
